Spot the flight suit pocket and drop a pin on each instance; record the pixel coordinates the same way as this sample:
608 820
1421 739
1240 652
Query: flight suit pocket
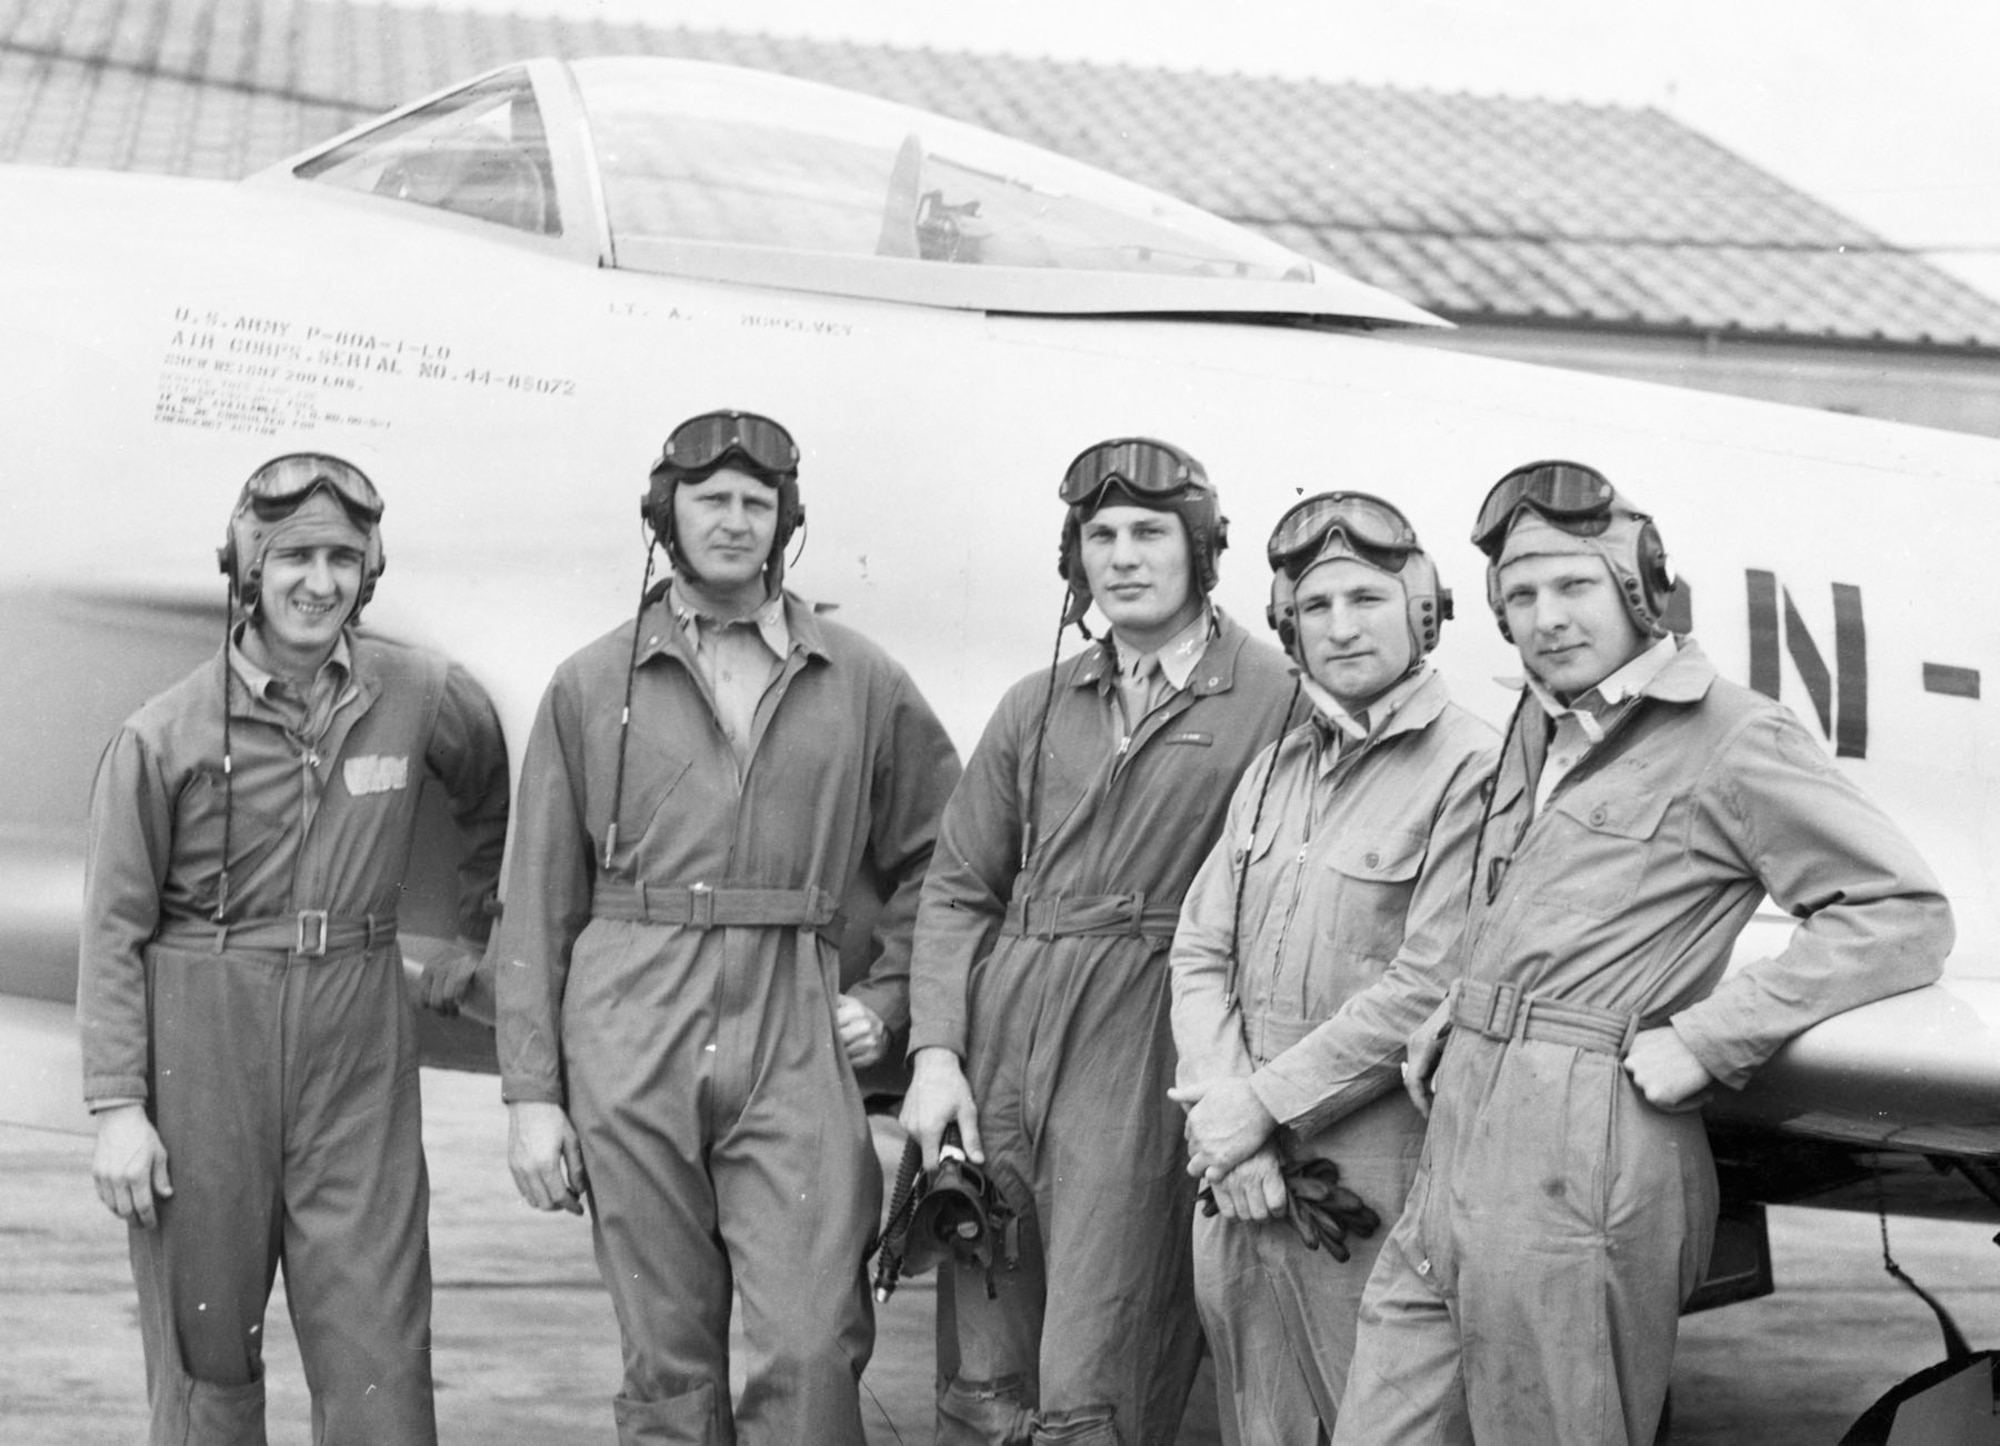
1061 787
652 773
1606 838
1373 878
199 827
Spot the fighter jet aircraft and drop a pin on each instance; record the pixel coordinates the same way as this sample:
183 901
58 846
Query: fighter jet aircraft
497 300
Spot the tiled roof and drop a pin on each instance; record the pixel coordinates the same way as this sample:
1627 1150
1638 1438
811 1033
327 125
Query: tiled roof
1485 209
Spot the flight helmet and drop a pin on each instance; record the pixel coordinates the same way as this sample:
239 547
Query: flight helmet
1580 503
1358 525
704 445
1138 472
301 497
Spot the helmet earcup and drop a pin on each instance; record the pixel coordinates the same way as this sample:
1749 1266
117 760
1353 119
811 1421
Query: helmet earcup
1429 602
1282 613
1656 579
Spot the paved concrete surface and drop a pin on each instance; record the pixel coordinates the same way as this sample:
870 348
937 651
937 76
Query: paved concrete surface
527 1354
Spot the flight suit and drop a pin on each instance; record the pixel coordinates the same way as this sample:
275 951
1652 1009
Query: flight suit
1346 926
277 1055
1531 1292
1050 980
679 1003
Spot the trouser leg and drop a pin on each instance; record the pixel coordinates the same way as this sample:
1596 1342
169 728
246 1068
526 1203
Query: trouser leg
1261 1384
1578 1289
799 1196
988 1397
1121 1337
204 1272
989 1367
356 1247
1405 1383
659 1252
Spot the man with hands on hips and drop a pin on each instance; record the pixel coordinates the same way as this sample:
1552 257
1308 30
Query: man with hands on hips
1642 809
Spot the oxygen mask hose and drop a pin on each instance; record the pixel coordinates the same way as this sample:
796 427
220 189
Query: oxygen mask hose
896 1229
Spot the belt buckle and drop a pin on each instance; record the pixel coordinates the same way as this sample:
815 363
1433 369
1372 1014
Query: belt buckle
701 906
312 933
1503 1012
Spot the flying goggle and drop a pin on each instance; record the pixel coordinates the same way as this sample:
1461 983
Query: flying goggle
705 442
277 488
1376 532
1141 466
1567 494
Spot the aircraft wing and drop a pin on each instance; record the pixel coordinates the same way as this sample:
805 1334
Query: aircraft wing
1917 1071
41 1070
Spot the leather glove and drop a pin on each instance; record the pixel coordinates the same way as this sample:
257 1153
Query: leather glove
1323 1211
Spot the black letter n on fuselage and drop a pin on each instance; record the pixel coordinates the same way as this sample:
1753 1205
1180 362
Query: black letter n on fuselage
1844 688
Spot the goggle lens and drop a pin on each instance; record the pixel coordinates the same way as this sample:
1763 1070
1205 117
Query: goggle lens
705 441
1140 465
280 485
1571 496
1377 532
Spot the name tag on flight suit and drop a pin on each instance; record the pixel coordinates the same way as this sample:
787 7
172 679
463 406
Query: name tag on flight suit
375 773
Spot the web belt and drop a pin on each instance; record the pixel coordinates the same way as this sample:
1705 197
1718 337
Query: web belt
1065 916
1501 1011
310 933
703 906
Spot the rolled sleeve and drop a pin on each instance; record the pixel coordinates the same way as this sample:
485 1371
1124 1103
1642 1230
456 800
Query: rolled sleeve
1356 1055
1874 920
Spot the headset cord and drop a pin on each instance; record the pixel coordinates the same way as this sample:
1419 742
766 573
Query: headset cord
1486 805
1030 816
228 772
1249 846
625 712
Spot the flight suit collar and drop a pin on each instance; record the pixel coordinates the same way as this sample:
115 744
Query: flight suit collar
259 680
663 627
1179 656
1685 677
1602 701
1409 707
1683 680
767 618
1214 672
1411 704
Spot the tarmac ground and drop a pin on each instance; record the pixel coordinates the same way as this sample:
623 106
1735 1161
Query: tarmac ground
527 1354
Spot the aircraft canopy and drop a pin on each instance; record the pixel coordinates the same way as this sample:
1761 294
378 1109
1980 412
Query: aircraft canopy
713 171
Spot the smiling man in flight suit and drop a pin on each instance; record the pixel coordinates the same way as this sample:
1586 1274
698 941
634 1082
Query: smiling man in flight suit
248 1050
672 1029
1040 995
1643 808
1319 934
